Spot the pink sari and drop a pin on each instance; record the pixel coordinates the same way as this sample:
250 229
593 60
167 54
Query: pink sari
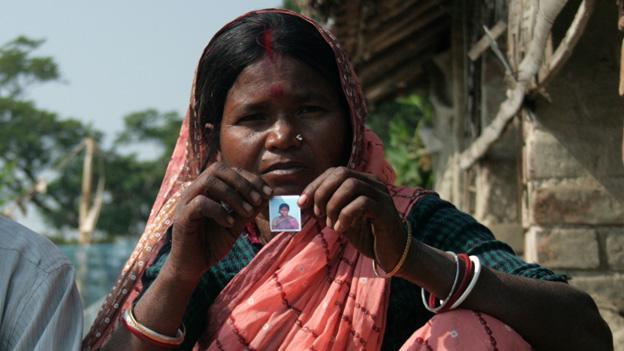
312 290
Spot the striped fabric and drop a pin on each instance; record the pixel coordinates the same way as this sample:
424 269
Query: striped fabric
434 221
40 308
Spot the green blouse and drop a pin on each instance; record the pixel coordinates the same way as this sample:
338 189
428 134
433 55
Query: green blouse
434 221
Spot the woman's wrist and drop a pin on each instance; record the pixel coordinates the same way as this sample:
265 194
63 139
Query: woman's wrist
174 273
388 246
161 308
407 270
428 267
394 261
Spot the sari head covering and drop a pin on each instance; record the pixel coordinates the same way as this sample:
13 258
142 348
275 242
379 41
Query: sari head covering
269 304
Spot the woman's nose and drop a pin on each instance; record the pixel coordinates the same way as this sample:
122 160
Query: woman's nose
282 135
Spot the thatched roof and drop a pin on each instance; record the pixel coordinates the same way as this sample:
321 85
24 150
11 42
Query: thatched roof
387 40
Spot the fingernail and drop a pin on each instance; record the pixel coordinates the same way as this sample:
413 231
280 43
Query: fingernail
302 200
229 219
317 211
255 197
337 226
328 222
267 190
247 207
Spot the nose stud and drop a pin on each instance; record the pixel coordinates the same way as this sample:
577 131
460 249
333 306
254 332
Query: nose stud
299 137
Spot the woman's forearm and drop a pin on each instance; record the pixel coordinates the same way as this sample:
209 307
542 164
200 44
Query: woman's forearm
161 309
549 315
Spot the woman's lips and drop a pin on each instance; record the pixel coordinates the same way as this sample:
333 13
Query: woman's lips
284 170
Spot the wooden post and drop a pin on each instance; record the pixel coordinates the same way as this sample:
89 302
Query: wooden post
90 205
85 199
458 65
622 70
620 5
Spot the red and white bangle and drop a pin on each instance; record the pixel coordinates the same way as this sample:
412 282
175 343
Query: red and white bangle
431 304
146 334
465 281
473 281
469 272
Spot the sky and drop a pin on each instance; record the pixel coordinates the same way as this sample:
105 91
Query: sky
118 57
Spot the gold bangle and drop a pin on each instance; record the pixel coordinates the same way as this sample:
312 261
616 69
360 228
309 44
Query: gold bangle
399 264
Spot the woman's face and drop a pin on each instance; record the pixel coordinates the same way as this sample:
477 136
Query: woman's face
270 103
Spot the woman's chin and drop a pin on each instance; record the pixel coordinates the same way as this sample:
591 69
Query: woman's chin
287 189
287 185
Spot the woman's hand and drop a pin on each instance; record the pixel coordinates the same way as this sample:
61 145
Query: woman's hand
351 202
211 215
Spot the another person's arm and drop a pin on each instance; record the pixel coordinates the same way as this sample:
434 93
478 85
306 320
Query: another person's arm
49 312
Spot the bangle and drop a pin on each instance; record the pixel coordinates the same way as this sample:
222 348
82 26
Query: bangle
399 264
473 282
150 336
443 303
467 277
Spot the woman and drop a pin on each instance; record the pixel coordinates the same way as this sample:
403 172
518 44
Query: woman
284 221
276 110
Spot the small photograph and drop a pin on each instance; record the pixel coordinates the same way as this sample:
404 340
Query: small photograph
284 213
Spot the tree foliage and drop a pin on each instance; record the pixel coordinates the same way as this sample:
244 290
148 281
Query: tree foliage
132 178
34 143
291 5
133 181
6 177
18 69
398 123
32 139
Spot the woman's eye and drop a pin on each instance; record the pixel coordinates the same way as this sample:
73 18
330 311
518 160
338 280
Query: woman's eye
254 117
309 109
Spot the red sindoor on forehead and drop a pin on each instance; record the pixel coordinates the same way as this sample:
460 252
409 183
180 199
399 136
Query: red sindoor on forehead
277 91
267 41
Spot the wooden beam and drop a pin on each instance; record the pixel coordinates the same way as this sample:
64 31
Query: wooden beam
569 41
85 196
397 81
458 76
620 5
527 70
622 70
484 43
407 26
405 55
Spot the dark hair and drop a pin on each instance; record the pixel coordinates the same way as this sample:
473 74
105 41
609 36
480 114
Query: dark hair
243 43
284 205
